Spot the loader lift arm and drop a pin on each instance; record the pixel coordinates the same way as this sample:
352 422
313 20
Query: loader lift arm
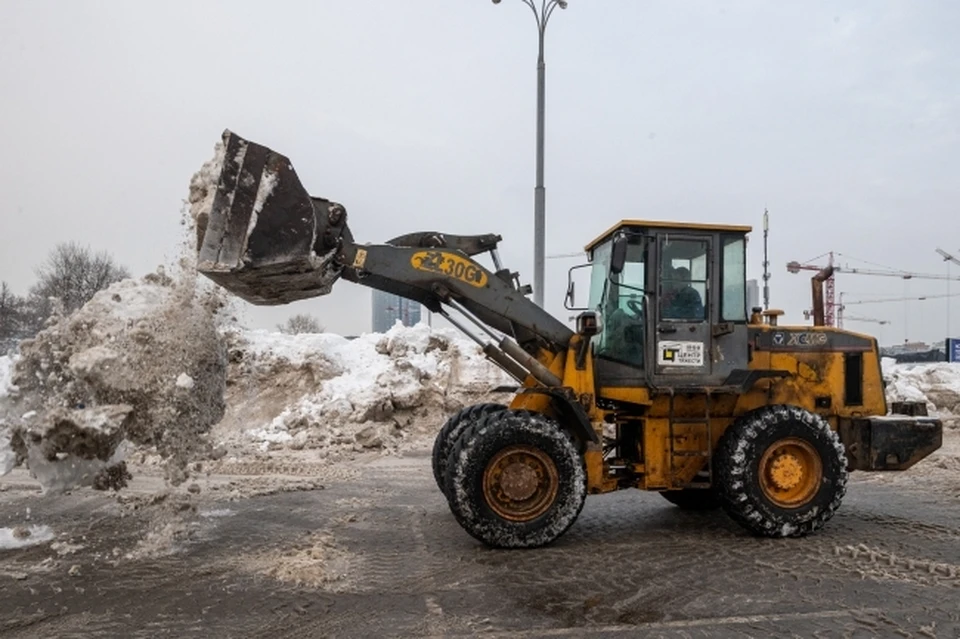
264 238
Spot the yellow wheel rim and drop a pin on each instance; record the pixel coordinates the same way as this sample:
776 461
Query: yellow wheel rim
520 483
790 472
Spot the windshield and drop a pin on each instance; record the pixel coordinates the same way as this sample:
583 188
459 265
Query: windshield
619 299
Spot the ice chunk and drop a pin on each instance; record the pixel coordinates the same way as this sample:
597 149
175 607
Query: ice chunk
24 536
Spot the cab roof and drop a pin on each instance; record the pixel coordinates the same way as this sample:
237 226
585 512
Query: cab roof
661 224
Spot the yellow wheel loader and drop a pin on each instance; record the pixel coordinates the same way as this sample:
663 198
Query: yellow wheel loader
668 382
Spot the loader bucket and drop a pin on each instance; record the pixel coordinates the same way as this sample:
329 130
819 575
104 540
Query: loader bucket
260 235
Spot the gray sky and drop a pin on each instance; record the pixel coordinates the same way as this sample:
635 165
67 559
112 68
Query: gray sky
843 118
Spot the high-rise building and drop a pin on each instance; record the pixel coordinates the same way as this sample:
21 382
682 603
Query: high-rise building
753 295
388 308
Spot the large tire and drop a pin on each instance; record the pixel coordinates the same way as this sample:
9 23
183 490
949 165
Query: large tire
451 430
781 471
516 480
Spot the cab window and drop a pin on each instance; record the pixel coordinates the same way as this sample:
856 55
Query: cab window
733 306
683 280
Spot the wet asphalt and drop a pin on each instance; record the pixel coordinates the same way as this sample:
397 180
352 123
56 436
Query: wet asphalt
380 555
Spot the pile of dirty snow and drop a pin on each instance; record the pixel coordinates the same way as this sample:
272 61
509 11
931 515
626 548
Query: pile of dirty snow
936 384
336 396
141 364
8 458
6 373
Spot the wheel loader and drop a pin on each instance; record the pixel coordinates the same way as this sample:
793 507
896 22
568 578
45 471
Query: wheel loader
667 382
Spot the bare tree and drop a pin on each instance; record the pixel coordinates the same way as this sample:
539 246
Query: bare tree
73 274
8 311
301 323
12 318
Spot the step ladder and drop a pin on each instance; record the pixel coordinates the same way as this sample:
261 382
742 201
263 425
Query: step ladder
703 423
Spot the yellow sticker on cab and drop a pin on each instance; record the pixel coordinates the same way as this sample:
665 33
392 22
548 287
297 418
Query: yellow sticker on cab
451 265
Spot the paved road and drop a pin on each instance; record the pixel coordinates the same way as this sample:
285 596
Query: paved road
380 555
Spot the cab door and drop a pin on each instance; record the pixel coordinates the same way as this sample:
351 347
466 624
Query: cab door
681 331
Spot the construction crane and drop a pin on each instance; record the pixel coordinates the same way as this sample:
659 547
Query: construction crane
842 306
830 305
916 298
853 318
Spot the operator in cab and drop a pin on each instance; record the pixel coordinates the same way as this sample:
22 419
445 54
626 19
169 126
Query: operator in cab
681 300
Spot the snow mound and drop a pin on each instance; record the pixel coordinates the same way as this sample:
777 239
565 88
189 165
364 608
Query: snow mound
115 371
8 458
6 375
378 391
936 384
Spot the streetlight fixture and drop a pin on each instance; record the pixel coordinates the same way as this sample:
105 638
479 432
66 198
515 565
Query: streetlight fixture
542 15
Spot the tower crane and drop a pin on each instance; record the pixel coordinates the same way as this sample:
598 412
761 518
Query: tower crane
841 317
830 305
854 318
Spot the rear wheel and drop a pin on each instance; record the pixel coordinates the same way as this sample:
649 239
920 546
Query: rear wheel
451 430
516 480
781 471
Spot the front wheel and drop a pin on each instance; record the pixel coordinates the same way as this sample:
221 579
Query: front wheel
781 471
451 430
515 480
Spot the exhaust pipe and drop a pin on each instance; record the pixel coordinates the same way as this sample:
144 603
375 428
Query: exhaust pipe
817 284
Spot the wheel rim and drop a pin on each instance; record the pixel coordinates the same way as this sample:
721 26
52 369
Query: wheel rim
790 472
520 483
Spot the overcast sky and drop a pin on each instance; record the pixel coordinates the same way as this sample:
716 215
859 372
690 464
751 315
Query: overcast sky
842 118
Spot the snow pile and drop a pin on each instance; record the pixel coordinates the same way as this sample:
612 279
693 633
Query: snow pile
6 375
141 362
936 384
378 391
8 458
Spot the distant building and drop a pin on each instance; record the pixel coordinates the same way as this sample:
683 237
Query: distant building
753 295
388 308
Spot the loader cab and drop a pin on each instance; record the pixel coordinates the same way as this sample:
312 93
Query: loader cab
672 303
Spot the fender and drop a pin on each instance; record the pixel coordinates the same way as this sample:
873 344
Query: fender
570 412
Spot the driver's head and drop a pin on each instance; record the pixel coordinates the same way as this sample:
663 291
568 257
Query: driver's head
682 275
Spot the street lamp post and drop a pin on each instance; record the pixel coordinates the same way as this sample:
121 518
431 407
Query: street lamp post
542 15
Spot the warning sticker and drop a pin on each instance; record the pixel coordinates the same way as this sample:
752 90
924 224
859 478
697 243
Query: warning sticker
680 354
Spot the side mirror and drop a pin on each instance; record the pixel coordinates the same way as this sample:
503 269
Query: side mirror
618 255
569 301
